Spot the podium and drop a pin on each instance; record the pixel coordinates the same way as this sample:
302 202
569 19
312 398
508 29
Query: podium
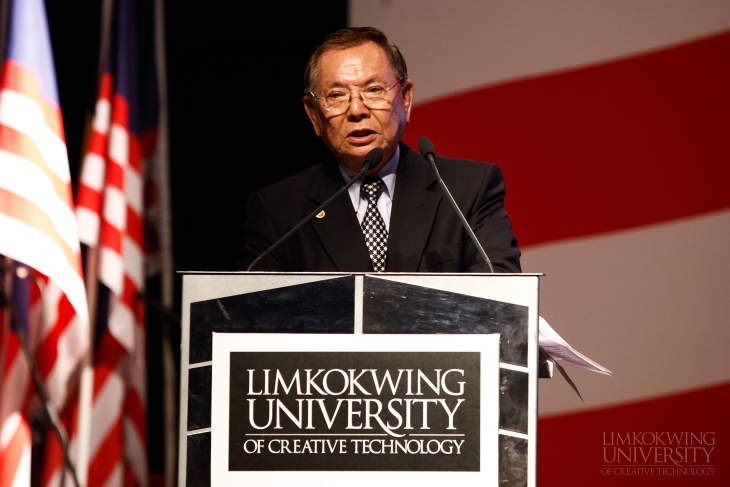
356 303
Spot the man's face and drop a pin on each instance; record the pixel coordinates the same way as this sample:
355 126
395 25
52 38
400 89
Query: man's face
355 132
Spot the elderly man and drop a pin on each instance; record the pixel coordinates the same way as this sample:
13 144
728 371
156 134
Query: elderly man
358 97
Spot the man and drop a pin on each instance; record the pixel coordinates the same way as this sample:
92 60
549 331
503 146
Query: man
358 97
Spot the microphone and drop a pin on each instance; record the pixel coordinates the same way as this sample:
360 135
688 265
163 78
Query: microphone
372 159
428 152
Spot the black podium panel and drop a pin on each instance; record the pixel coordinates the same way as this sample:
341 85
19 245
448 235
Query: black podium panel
513 405
200 386
198 460
512 459
317 307
396 307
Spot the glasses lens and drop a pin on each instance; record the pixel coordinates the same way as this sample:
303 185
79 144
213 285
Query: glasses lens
335 107
375 97
378 97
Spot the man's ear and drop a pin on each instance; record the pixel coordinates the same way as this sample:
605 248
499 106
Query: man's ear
408 98
312 114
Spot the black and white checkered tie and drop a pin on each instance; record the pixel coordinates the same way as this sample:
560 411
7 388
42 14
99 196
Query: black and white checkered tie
373 226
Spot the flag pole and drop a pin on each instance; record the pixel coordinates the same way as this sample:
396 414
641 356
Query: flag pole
4 16
167 272
86 385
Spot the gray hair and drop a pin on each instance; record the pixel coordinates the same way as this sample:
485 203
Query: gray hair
353 37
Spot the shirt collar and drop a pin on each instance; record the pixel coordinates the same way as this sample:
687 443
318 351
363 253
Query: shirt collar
386 173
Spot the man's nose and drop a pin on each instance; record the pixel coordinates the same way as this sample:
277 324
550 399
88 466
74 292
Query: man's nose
357 109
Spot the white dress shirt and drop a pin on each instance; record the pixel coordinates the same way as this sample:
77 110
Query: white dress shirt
385 200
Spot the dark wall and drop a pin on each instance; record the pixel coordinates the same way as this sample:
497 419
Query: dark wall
75 32
236 118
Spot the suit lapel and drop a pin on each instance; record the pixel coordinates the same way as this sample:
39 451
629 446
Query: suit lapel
339 231
413 212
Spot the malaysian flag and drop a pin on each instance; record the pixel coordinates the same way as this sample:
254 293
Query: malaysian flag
37 229
118 194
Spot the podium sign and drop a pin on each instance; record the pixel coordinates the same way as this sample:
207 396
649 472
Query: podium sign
331 410
282 323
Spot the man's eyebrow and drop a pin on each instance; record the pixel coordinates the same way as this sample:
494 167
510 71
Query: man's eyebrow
334 84
338 84
371 80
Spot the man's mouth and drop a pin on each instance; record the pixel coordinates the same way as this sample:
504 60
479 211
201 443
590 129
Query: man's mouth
360 134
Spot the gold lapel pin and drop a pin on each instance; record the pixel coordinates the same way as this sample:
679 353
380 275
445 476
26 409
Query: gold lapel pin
320 214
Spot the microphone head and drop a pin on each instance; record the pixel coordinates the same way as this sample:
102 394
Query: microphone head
374 157
426 147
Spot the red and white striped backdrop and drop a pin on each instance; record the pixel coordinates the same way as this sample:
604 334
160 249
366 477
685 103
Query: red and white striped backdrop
610 121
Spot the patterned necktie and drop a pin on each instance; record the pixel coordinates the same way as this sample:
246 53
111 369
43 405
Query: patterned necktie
373 226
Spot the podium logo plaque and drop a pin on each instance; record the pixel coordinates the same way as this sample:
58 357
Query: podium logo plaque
327 409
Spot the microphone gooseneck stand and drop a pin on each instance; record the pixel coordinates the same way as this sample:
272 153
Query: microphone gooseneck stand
425 146
371 159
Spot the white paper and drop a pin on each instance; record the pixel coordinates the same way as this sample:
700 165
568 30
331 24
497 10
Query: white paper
559 349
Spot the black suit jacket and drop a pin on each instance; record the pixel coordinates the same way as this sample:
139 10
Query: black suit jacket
425 233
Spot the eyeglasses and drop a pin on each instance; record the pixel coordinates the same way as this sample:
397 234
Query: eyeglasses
374 97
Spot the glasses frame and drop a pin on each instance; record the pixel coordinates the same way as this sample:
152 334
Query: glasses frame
350 95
